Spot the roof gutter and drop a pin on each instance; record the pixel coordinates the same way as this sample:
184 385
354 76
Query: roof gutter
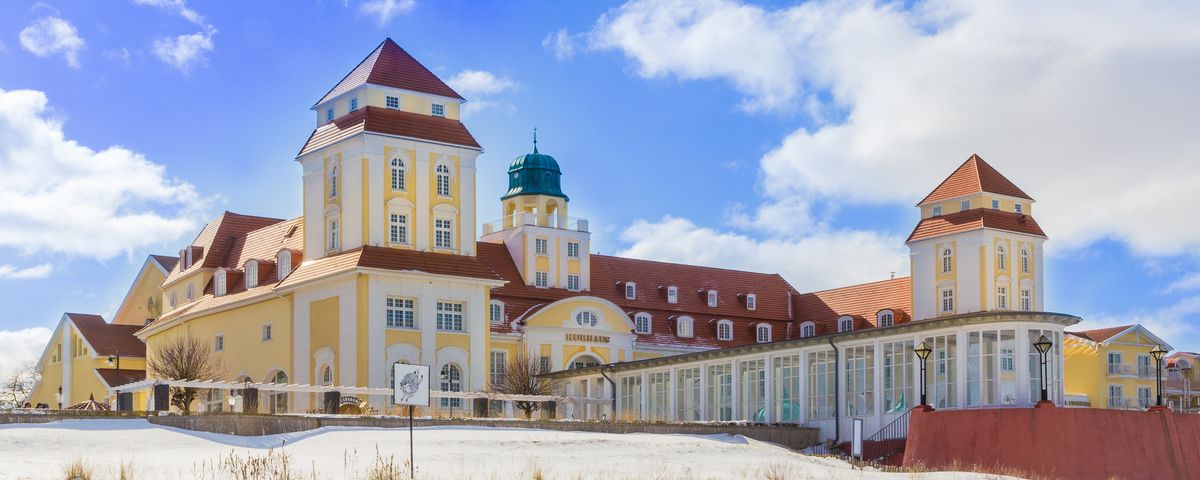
837 400
613 384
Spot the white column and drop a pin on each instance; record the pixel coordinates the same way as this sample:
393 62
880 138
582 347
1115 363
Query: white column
877 389
769 392
427 321
479 326
704 392
68 353
422 224
671 382
377 166
645 410
1021 364
802 393
960 373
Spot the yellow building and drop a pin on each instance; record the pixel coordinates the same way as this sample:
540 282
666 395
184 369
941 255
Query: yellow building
1181 381
1111 367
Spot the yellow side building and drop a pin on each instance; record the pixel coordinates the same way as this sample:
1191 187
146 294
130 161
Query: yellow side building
1111 367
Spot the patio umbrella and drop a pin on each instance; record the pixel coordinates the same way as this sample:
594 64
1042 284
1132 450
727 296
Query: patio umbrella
90 404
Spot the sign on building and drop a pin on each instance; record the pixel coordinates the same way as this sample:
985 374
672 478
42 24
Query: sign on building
411 385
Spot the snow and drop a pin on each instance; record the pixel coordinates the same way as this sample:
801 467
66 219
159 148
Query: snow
152 451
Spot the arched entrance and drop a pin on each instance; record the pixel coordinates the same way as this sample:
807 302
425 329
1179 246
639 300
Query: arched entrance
584 361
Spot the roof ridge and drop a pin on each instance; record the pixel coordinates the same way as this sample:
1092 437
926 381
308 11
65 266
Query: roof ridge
377 48
906 277
690 265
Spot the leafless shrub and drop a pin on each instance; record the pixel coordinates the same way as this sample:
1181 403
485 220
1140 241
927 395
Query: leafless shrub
184 358
521 378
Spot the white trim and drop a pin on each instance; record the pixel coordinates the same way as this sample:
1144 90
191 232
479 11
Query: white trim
728 323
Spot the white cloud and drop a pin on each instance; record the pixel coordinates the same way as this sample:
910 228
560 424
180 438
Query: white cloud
22 347
185 52
52 35
385 10
1175 324
175 6
16 273
478 87
59 196
820 260
1083 104
120 55
1190 281
563 44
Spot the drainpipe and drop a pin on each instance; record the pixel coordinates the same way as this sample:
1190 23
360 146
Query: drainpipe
837 400
613 416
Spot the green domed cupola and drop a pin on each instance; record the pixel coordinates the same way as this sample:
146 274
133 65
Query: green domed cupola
534 174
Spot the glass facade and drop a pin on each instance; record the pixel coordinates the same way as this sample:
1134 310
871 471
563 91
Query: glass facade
821 379
788 404
720 392
753 391
687 394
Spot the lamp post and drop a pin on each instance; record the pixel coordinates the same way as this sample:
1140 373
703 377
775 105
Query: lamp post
58 397
923 352
1158 352
1043 345
115 359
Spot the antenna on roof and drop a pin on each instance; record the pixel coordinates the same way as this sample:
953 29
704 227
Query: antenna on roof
535 140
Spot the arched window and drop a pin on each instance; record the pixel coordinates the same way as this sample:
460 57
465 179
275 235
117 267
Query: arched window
947 260
724 330
630 291
762 333
586 318
251 274
398 174
496 312
672 294
327 375
808 329
443 181
219 283
683 327
333 181
712 298
284 263
751 302
1024 260
279 400
885 318
172 300
1001 257
641 323
334 236
191 292
451 381
845 324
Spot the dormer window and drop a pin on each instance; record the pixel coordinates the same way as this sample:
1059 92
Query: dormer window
219 283
438 110
966 205
672 294
845 324
393 103
712 298
683 327
937 210
630 291
725 330
751 302
188 251
641 323
885 318
808 329
995 204
762 333
1017 207
328 115
191 292
353 104
251 274
284 262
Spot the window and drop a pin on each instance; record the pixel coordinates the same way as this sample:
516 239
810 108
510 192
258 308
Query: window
393 102
326 375
860 381
450 316
630 290
845 324
541 246
658 395
328 115
398 229
498 367
1002 297
172 300
219 343
787 389
1008 360
573 283
885 318
941 382
720 392
683 327
401 313
937 210
1024 260
630 400
947 300
762 333
808 329
712 298
947 260
438 110
586 318
1114 362
266 332
641 323
451 381
1116 396
333 181
219 283
573 249
544 364
822 376
251 274
284 261
1026 300
541 279
987 381
496 313
724 330
353 104
966 205
897 376
1144 397
672 295
398 174
443 181
1017 207
279 401
687 394
443 230
751 302
1001 257
752 391
995 204
333 235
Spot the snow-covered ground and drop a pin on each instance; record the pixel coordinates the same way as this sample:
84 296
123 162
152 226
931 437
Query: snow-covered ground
154 452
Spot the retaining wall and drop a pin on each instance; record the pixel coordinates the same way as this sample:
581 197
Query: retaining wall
1067 443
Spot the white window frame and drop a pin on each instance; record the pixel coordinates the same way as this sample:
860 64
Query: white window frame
392 103
395 309
399 175
947 260
573 249
326 374
587 319
398 228
751 302
329 115
937 210
713 299
995 204
630 291
1017 207
725 330
219 343
1026 300
885 318
496 312
220 285
1002 297
1001 257
354 104
672 294
946 299
251 269
443 233
808 330
1025 263
266 334
845 324
497 367
541 279
437 109
685 327
541 246
333 181
444 182
283 262
191 292
333 239
964 205
762 333
638 321
448 313
574 283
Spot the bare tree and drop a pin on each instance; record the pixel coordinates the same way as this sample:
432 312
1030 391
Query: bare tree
18 386
521 378
184 358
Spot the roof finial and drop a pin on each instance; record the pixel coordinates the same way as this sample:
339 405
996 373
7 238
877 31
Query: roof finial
535 140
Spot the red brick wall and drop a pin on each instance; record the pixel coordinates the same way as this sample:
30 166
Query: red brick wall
1060 442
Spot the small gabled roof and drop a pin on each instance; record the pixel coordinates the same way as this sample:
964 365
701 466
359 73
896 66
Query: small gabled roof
974 176
390 66
166 262
106 338
214 241
390 122
1107 334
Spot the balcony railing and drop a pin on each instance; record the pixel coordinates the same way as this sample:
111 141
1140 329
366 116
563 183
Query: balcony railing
1130 403
1122 369
528 218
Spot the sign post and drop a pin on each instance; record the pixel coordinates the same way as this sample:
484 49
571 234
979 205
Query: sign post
411 387
856 447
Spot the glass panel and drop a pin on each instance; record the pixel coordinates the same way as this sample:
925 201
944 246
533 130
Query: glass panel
631 398
687 395
753 392
659 397
787 388
897 376
942 371
720 392
821 371
860 380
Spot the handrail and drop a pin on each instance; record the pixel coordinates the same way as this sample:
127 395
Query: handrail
888 440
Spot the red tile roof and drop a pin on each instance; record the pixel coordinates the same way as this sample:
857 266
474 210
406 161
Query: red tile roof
390 122
973 176
974 219
394 259
213 243
126 377
106 338
1101 334
166 261
390 66
861 301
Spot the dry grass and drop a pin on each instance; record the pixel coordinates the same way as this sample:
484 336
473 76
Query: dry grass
271 466
77 469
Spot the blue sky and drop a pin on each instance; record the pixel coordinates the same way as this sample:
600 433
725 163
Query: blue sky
769 136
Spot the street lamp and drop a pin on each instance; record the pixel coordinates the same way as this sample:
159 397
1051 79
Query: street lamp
923 352
58 397
1043 345
1158 352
